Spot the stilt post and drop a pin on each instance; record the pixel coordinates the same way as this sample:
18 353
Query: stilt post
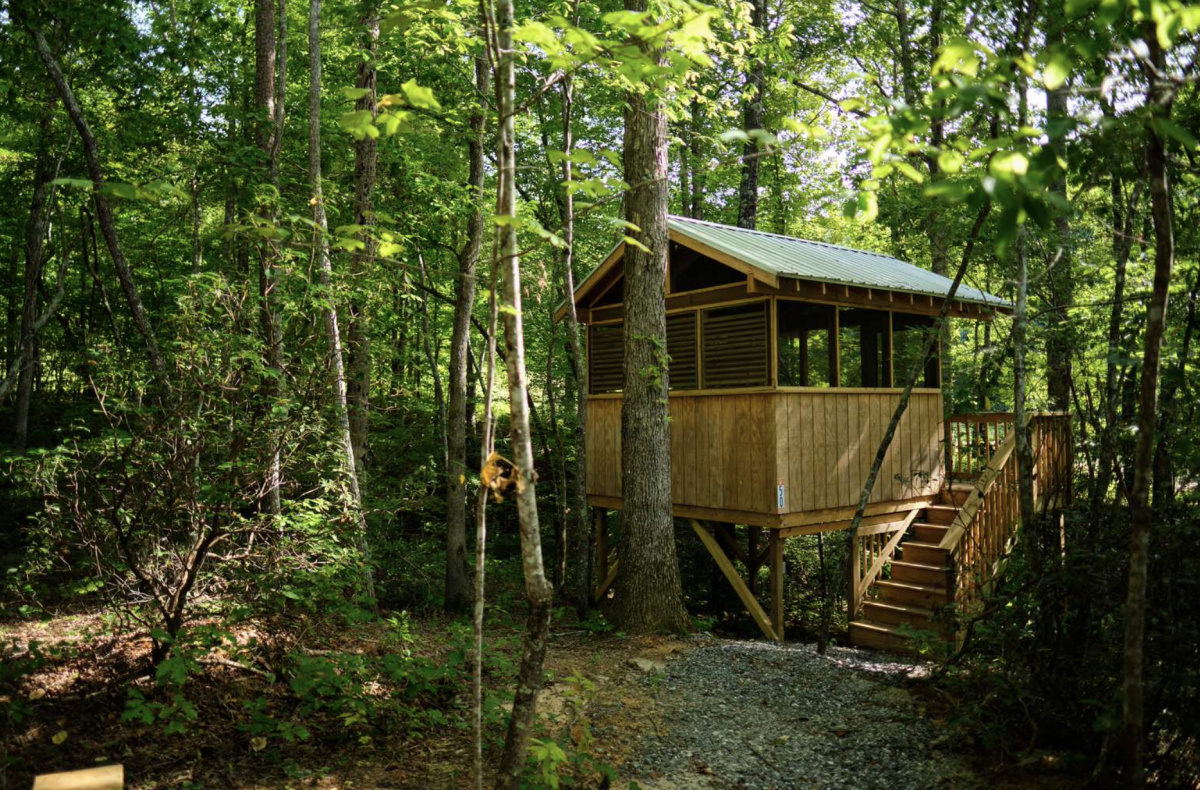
776 562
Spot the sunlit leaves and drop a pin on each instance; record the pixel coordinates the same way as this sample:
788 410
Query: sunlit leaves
959 56
950 161
419 97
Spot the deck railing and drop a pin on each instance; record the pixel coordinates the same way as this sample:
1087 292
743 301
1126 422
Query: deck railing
986 526
974 439
873 547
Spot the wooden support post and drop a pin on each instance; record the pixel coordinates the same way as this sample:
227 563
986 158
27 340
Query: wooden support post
775 551
605 575
751 604
752 557
855 574
601 543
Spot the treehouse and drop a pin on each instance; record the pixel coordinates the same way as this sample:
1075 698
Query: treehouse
787 360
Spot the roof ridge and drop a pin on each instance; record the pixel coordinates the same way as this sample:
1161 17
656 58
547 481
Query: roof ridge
788 238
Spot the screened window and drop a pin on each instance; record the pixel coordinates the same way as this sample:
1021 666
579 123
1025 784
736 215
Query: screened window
805 347
863 345
909 333
736 342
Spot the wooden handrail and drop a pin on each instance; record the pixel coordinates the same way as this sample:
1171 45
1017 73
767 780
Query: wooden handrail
985 526
872 551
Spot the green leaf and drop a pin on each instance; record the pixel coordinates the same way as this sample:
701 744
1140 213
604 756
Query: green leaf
354 94
950 161
1057 69
630 240
78 183
910 171
419 97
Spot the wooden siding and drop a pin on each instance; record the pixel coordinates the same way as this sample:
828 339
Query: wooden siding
729 451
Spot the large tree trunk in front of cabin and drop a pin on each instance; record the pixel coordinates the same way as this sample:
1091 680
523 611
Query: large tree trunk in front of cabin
366 153
649 591
458 591
325 276
1159 99
752 118
537 588
35 247
104 214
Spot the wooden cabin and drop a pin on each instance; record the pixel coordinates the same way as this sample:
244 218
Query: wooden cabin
786 364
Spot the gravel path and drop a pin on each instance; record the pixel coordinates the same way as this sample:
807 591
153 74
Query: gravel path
760 716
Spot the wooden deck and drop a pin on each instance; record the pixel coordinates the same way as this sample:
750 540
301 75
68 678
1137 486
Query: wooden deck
780 458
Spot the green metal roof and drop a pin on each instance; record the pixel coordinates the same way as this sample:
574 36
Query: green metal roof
784 256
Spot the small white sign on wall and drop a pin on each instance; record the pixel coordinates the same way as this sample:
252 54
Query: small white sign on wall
779 496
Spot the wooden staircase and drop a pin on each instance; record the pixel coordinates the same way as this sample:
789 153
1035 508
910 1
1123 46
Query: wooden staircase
918 573
915 587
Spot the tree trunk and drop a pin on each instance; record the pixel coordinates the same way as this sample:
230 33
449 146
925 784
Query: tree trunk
752 118
1060 282
35 247
537 587
698 165
910 382
1159 100
1122 242
325 273
268 131
579 551
649 591
458 583
366 153
1024 450
1175 377
103 212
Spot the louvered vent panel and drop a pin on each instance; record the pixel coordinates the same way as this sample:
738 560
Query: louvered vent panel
681 347
606 355
736 344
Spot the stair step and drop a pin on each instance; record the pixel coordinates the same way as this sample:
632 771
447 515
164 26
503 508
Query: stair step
892 612
929 533
881 636
927 553
957 494
926 595
940 514
920 573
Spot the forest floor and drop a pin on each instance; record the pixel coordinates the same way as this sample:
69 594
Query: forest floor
668 714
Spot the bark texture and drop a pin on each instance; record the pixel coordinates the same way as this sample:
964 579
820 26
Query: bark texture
365 157
649 592
458 582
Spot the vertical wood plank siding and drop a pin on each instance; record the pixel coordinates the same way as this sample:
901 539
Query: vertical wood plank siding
729 451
